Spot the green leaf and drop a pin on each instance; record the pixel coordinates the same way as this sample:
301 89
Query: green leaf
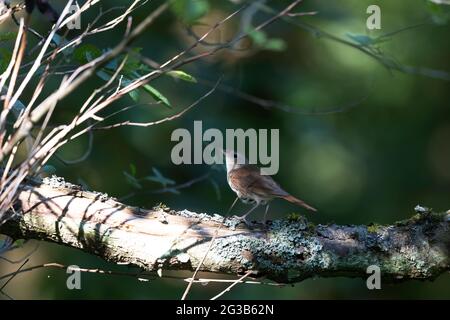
178 74
19 243
18 108
132 180
361 39
158 177
158 96
6 36
133 62
261 40
112 65
5 58
134 95
275 45
133 169
86 53
439 14
258 37
190 11
57 39
103 75
40 70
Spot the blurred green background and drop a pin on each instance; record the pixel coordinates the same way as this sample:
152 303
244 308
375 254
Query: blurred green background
358 141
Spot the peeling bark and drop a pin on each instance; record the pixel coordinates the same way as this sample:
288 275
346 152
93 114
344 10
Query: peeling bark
283 250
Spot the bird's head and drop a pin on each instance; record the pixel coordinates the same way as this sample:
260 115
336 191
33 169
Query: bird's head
234 159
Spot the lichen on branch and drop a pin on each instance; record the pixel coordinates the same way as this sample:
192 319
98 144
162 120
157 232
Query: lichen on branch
285 251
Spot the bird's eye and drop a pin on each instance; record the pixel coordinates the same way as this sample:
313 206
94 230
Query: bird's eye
235 155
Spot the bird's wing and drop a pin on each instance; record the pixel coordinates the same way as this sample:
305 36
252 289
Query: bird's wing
249 178
242 177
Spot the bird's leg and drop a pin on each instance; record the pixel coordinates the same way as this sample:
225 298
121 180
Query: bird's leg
249 211
232 205
265 213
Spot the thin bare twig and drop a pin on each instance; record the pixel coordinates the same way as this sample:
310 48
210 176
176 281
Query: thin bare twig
208 280
232 285
36 247
13 275
188 288
170 118
186 184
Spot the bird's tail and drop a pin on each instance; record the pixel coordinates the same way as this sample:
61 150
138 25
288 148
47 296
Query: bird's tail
299 202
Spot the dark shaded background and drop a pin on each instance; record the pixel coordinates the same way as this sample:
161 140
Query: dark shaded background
385 149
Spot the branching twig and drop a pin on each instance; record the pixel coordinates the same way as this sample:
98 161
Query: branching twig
232 285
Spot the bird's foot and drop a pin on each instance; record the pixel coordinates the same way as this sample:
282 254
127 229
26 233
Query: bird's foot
258 226
246 221
252 224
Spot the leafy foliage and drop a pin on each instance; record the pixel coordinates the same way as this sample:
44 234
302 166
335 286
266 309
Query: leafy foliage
133 69
261 40
6 36
178 74
86 52
439 14
5 57
189 11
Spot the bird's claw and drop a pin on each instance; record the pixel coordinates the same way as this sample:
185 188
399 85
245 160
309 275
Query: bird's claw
244 220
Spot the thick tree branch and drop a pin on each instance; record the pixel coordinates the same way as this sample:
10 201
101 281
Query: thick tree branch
284 250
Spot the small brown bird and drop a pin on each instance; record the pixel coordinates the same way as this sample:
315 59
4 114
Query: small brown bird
252 187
